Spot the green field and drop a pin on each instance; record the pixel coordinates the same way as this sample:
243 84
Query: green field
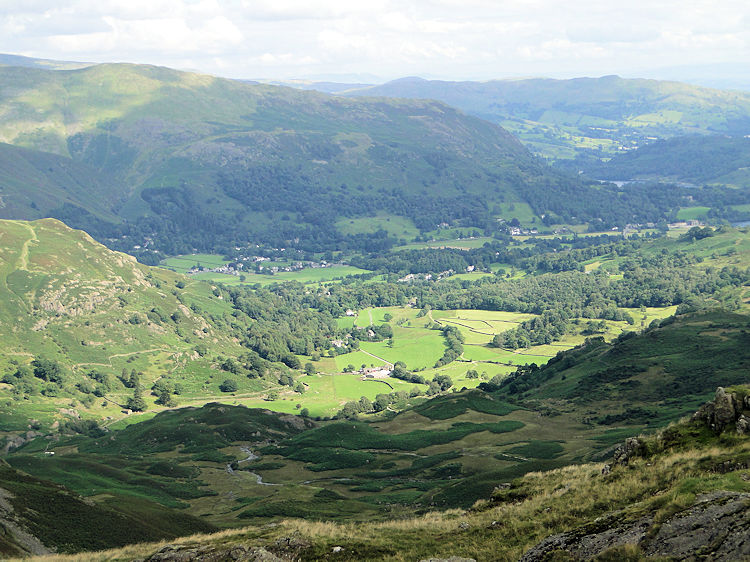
692 213
305 276
182 264
394 225
461 244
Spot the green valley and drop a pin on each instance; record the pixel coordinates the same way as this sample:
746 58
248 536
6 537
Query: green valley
243 321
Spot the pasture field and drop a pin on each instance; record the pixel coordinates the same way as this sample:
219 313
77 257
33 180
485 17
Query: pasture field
692 213
356 358
183 263
374 315
325 394
461 244
516 210
345 322
420 347
305 276
472 276
394 225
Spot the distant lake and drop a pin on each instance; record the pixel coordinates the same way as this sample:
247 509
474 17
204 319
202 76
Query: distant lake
620 183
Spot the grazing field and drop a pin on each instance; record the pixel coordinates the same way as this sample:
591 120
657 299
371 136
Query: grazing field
305 276
183 264
692 213
324 395
394 225
461 244
419 347
357 359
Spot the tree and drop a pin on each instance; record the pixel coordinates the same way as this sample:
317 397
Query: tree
134 380
309 369
305 413
166 399
444 381
381 402
365 404
228 385
137 403
433 389
47 370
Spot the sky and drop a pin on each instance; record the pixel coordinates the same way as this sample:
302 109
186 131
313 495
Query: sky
376 40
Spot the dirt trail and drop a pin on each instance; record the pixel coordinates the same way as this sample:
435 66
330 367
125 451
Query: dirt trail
23 258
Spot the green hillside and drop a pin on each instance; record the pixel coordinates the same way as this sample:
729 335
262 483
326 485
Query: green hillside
648 379
40 517
697 160
183 163
682 491
196 154
600 116
35 184
89 317
232 464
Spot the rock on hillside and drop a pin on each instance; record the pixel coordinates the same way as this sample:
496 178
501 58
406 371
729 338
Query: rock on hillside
715 526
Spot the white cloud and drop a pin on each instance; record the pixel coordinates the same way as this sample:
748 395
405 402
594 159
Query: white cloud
449 38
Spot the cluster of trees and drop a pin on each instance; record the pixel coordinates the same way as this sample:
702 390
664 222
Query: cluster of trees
550 326
454 347
364 405
44 376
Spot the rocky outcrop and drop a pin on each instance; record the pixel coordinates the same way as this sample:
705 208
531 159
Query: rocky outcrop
237 553
451 559
631 448
716 526
14 538
725 409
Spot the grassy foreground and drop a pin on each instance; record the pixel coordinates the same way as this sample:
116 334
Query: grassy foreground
675 467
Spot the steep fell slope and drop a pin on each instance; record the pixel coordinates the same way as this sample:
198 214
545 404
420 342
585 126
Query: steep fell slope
197 155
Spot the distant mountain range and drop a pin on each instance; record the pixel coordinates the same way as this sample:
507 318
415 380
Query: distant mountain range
193 161
561 118
152 159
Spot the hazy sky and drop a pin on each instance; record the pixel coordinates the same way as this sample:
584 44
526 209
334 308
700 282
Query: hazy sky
452 39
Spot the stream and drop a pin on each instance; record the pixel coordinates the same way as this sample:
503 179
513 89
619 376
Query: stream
250 457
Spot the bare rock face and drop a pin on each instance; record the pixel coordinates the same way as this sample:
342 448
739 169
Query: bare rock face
451 559
238 553
716 527
631 448
743 425
724 410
